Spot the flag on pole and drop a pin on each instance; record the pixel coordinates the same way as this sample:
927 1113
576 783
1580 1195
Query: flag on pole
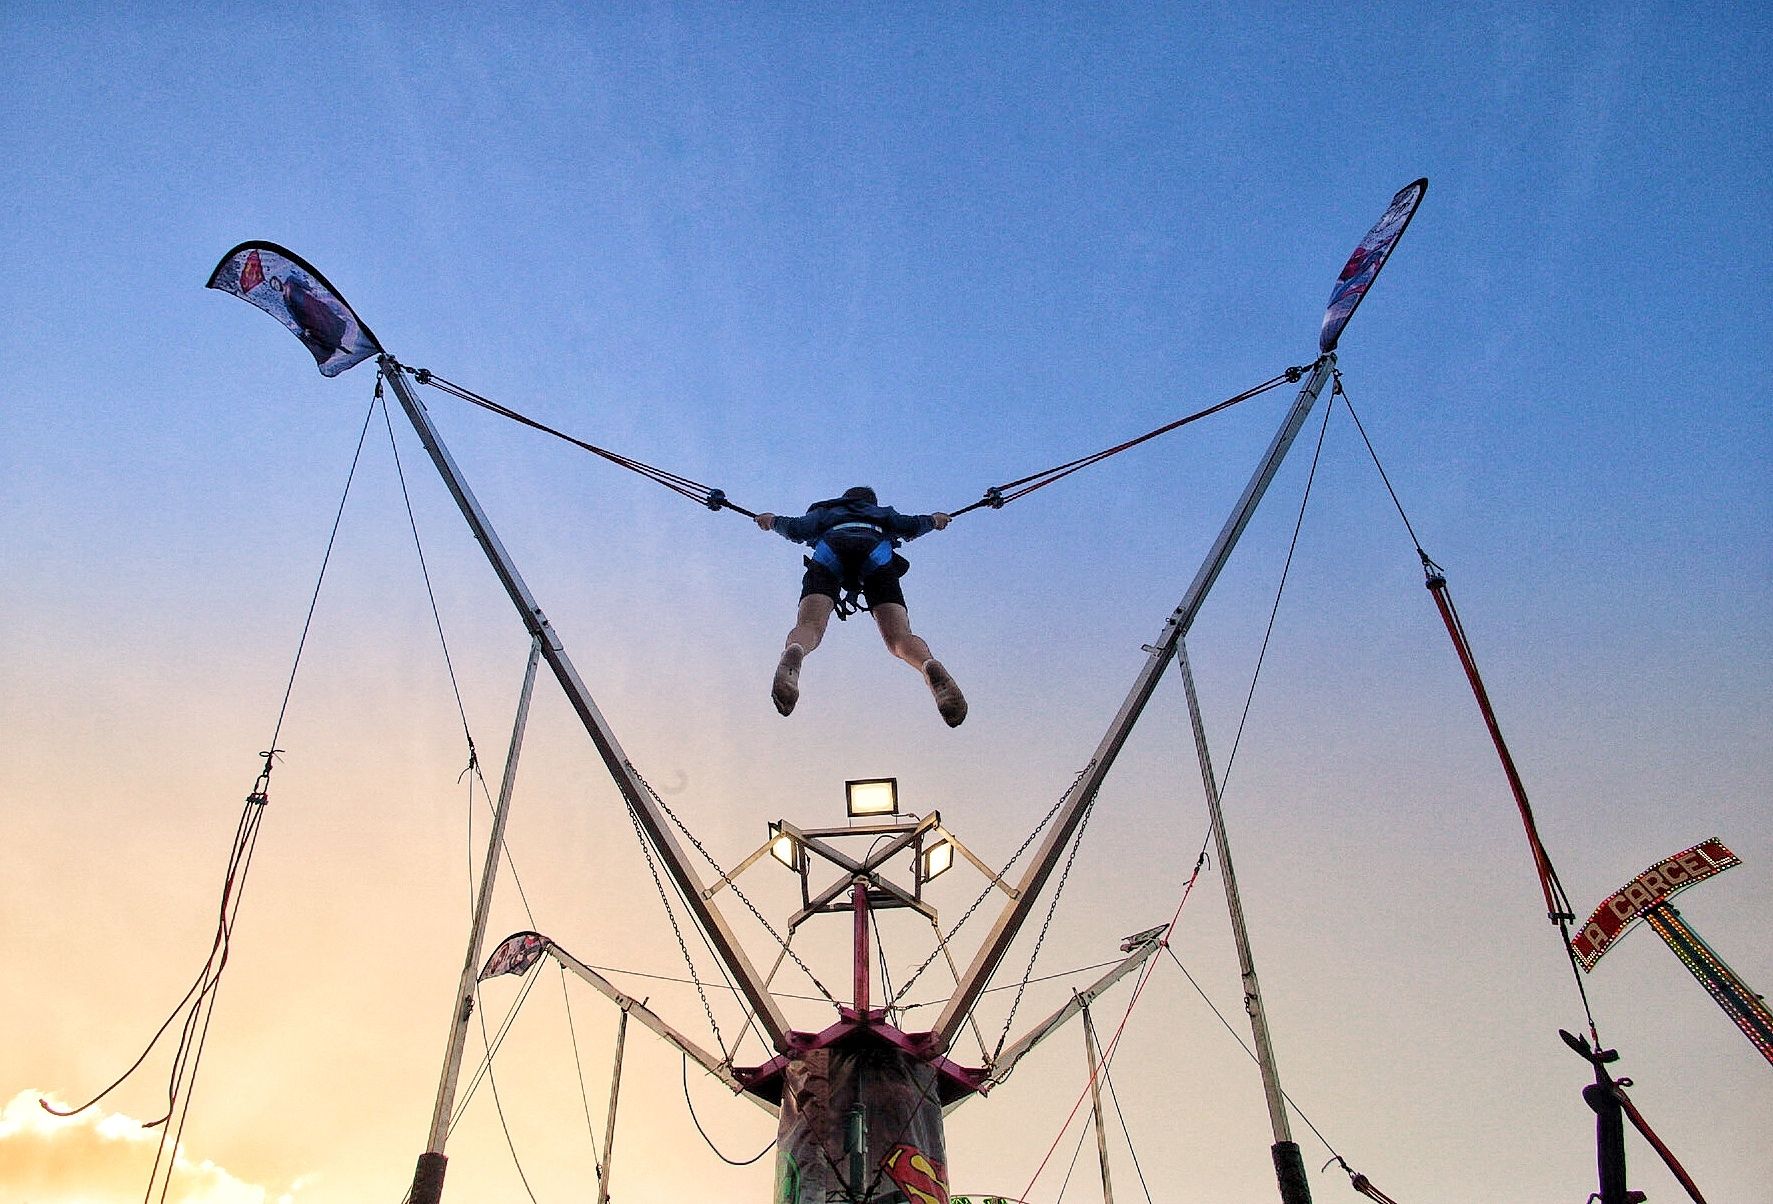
283 285
1363 266
515 955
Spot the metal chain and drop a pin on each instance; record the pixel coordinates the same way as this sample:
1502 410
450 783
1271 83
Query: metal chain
671 914
1040 940
743 898
984 894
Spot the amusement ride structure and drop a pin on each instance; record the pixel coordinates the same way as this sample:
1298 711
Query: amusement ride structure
860 1102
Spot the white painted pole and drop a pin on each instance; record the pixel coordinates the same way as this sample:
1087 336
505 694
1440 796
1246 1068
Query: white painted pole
1289 1168
1091 1049
428 1178
609 1129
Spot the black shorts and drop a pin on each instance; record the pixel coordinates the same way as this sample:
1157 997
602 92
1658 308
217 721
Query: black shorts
882 585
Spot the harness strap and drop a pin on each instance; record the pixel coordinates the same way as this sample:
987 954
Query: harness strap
849 598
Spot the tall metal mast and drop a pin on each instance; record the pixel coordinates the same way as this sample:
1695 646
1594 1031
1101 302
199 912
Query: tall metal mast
1078 799
638 797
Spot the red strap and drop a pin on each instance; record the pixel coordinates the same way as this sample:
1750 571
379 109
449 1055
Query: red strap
1668 1158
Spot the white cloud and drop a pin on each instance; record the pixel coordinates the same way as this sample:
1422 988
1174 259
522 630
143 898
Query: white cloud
102 1157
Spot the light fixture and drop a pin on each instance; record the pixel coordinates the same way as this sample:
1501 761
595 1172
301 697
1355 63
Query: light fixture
935 861
786 849
865 797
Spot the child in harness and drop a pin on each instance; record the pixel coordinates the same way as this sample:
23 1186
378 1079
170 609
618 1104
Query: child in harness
853 566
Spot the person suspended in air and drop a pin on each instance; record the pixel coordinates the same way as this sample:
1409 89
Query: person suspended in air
853 539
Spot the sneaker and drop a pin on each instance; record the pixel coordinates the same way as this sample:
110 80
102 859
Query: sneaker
951 704
785 689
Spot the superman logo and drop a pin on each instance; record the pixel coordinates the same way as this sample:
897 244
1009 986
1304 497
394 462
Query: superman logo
923 1179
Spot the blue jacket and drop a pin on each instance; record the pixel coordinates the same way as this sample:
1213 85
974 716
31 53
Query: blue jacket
823 516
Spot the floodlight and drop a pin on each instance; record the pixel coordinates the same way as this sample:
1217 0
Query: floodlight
871 796
785 848
935 861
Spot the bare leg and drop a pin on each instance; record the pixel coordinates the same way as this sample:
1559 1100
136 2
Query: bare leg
901 641
895 629
809 629
810 621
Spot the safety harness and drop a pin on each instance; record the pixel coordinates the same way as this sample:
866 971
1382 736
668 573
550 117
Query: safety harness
854 563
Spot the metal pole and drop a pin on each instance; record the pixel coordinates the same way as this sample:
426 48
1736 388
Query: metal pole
609 1128
427 1183
646 809
1089 1027
1139 949
1723 984
1077 800
859 904
1609 1139
1288 1164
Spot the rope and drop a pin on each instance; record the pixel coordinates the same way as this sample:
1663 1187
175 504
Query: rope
997 496
1083 1133
492 1047
1557 901
198 1003
1280 590
1108 1051
1114 1096
704 1132
1010 986
425 572
1335 1157
493 1082
579 1065
716 986
705 495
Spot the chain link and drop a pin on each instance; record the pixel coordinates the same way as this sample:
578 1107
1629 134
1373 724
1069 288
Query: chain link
984 894
743 898
1045 924
671 914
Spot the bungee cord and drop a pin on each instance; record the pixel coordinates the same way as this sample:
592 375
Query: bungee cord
1558 907
995 497
705 495
998 496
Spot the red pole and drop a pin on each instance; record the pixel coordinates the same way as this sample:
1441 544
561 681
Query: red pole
859 904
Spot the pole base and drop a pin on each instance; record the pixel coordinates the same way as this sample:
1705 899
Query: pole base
427 1179
1289 1169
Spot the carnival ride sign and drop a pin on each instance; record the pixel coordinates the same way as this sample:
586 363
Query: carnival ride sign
1655 885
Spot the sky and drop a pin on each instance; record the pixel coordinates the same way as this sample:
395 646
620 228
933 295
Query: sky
788 249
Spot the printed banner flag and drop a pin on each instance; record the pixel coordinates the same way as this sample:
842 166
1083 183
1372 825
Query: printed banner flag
1363 266
286 287
515 955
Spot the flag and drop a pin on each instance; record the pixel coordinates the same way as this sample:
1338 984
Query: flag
283 285
515 955
1363 266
